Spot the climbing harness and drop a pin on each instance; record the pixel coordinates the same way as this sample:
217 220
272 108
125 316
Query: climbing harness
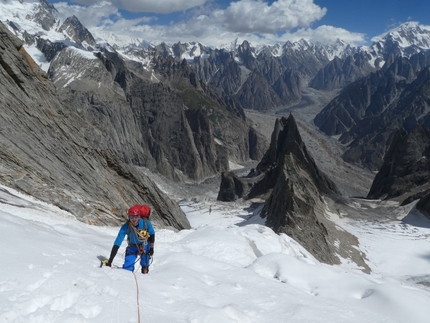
141 235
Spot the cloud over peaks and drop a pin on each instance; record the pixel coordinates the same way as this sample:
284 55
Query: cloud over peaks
257 16
207 21
153 6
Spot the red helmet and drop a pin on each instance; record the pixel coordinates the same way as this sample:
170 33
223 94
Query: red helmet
145 211
134 210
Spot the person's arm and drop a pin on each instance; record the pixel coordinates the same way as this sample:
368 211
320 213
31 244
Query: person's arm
151 240
112 255
118 241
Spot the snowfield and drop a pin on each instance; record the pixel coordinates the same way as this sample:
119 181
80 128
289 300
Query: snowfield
228 268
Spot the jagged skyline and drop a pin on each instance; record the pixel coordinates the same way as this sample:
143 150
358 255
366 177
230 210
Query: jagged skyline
218 22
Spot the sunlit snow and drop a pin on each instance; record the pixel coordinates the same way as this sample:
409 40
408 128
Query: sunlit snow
227 268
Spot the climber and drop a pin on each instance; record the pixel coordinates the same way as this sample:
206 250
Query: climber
140 238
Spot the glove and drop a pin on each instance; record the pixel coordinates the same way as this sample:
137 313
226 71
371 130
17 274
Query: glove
106 263
151 251
111 257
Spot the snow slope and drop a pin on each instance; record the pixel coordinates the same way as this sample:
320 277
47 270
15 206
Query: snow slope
228 268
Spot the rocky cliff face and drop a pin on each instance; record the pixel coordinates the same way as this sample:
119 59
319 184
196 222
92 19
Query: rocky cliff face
340 72
233 135
286 140
294 190
369 111
258 82
77 33
45 150
176 127
296 204
406 168
423 205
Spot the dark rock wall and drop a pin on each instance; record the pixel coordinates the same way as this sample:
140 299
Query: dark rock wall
340 72
45 151
291 209
286 139
296 191
406 165
369 111
169 127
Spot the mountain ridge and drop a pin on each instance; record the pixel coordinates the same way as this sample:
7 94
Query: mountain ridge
196 80
408 38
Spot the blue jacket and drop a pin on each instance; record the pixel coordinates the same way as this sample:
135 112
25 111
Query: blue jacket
132 238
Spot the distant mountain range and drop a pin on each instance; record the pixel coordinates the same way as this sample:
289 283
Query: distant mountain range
260 78
178 109
33 20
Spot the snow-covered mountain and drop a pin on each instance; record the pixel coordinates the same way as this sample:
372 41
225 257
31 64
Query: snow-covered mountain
407 35
43 30
31 20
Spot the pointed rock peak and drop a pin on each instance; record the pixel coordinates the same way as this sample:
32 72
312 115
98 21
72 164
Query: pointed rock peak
245 50
77 32
47 5
339 42
163 45
296 206
292 130
285 136
287 151
73 19
245 45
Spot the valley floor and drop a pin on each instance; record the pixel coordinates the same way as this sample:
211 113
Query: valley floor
326 151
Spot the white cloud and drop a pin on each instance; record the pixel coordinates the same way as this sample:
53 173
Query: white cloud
257 16
91 16
155 6
252 20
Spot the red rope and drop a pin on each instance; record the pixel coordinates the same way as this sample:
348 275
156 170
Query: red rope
137 298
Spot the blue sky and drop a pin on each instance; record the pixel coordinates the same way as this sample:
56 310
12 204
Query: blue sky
218 22
373 17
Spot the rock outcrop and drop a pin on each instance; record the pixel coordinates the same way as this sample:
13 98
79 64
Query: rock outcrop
296 204
49 151
406 168
423 205
294 190
233 187
286 140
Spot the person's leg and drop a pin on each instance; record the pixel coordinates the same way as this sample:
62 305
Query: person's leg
144 260
130 258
